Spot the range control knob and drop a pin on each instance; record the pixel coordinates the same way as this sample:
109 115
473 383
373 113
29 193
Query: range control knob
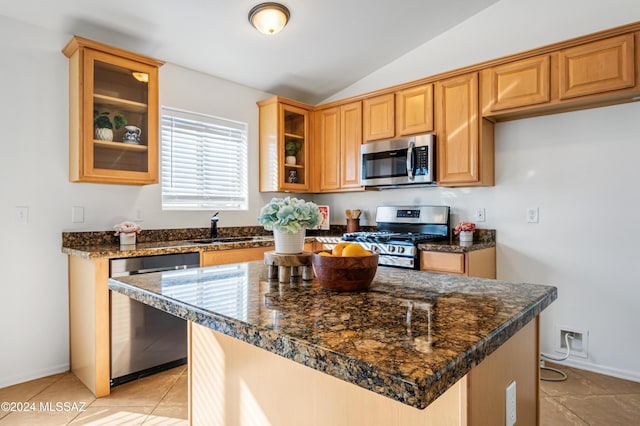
400 249
391 249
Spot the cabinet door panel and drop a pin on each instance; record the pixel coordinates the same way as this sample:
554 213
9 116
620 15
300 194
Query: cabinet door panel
328 122
450 263
597 67
379 117
520 83
457 139
414 110
350 141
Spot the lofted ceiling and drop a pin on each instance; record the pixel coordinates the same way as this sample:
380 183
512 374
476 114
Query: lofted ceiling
327 45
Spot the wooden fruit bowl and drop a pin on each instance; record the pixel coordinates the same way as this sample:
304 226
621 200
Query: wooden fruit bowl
345 273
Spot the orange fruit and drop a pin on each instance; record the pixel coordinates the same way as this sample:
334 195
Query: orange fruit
354 250
337 250
324 253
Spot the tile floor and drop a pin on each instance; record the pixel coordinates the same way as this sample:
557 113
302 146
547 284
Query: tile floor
160 399
585 398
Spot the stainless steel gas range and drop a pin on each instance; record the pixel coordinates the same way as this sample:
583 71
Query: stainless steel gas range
399 230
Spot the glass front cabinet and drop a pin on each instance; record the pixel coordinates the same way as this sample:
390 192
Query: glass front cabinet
113 114
284 146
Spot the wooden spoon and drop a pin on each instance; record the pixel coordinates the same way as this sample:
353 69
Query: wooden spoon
348 212
356 213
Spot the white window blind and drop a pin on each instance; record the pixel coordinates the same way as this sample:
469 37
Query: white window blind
204 162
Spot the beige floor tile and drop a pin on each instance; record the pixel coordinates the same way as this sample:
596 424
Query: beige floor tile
552 413
145 392
168 415
38 418
601 410
69 391
27 390
575 384
610 385
112 416
177 395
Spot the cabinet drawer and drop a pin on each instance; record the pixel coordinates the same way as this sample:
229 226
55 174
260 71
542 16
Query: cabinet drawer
224 257
450 263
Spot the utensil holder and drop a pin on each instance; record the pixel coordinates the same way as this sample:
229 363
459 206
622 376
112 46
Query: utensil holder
353 224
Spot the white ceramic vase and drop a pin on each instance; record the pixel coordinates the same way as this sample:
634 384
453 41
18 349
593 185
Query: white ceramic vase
288 243
290 159
466 236
127 240
103 134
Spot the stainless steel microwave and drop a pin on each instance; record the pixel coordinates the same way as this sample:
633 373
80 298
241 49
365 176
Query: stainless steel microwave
396 162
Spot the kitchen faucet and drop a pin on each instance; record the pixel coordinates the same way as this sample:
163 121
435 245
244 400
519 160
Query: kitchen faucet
214 225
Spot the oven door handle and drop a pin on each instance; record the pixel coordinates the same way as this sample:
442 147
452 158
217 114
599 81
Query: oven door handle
410 160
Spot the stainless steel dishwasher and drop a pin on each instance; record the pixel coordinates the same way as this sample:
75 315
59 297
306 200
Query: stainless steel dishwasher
145 340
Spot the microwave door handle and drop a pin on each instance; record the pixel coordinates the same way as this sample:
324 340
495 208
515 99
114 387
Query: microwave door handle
410 160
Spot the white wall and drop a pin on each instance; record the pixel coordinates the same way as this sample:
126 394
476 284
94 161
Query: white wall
34 167
579 168
538 163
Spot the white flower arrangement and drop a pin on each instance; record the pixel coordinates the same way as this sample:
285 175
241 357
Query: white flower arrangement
127 228
289 215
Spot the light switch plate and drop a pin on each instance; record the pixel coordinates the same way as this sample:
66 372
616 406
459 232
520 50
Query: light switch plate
77 214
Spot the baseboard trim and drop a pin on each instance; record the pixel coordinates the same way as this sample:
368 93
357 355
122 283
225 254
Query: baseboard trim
634 376
21 378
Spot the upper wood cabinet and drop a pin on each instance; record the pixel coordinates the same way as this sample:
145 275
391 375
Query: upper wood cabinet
379 117
464 152
517 84
102 79
414 110
285 145
578 76
338 140
597 67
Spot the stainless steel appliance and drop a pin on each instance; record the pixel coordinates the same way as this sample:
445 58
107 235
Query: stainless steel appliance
145 340
396 162
399 230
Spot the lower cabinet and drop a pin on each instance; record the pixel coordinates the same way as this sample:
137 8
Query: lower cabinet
477 263
224 257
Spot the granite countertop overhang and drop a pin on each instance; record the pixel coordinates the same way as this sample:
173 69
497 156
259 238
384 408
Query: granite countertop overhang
410 337
103 244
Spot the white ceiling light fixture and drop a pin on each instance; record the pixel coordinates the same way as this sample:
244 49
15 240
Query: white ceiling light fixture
269 18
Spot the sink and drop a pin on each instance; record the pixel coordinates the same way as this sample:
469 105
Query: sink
224 240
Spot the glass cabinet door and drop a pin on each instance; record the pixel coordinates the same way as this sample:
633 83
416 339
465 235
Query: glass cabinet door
113 115
295 149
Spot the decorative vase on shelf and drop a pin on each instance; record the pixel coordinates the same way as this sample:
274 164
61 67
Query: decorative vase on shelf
104 134
131 134
289 243
290 159
127 240
466 236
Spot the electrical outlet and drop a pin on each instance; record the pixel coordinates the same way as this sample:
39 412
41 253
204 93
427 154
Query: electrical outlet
139 215
22 214
578 341
480 216
532 215
510 418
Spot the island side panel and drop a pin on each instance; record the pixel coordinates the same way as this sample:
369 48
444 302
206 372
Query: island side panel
516 360
89 323
234 383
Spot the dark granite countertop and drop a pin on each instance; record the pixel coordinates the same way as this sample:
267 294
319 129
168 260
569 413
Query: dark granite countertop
410 337
103 244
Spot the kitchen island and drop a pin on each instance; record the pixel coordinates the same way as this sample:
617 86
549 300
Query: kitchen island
415 348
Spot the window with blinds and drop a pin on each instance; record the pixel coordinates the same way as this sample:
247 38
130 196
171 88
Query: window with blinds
204 162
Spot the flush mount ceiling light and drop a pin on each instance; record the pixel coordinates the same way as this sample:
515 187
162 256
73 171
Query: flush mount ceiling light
269 18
